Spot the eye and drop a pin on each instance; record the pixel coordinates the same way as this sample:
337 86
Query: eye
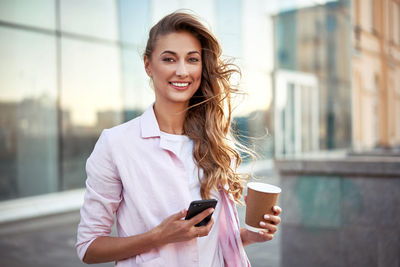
194 59
168 59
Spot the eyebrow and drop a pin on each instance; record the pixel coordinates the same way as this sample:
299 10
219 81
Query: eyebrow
174 53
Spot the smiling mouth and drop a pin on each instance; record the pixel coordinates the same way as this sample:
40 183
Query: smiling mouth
179 85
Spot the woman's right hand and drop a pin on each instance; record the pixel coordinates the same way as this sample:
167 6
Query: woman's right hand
172 229
175 229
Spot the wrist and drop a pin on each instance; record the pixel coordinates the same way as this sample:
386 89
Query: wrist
244 237
155 237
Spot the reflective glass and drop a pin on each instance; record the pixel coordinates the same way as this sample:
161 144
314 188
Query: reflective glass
206 10
160 8
28 114
137 91
134 21
91 100
94 18
229 27
38 13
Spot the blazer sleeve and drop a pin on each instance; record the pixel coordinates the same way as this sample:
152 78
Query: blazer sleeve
102 196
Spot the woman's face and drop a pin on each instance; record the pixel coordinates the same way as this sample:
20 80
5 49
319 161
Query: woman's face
175 68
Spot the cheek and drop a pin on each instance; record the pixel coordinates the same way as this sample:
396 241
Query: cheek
161 72
198 73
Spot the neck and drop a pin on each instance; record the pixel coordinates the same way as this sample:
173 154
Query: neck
170 118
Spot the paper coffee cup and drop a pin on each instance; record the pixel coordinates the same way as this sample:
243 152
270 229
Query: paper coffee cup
261 198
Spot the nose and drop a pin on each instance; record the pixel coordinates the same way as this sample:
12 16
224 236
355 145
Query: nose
181 70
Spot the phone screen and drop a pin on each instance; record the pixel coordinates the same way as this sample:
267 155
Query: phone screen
197 207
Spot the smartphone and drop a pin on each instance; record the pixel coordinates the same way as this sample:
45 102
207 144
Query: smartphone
197 207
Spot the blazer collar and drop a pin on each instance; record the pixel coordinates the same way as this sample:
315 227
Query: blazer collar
149 128
148 124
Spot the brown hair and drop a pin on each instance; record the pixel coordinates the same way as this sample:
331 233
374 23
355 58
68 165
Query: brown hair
209 115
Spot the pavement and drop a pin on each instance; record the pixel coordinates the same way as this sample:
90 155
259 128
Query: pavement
45 241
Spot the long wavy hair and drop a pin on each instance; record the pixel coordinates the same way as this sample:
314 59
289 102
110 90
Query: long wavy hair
209 115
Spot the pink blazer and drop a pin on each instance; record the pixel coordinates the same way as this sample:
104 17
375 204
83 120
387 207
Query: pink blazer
133 173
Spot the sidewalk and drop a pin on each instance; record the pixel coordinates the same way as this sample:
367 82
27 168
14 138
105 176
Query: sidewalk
46 241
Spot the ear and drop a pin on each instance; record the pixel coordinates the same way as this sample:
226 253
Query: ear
147 66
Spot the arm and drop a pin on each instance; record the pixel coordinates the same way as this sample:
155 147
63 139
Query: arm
107 248
172 229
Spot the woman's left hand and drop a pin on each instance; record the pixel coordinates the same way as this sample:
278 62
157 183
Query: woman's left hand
270 225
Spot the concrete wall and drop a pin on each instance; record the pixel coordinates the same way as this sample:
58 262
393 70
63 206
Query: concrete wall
342 212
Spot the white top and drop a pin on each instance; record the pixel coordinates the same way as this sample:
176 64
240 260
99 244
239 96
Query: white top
210 254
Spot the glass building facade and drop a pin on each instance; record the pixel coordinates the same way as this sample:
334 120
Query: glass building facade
70 69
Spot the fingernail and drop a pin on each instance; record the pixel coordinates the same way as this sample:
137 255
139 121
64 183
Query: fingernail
261 232
262 223
211 211
266 216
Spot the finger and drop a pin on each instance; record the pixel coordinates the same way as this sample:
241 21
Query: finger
210 225
179 215
199 217
273 219
271 228
277 210
204 230
266 236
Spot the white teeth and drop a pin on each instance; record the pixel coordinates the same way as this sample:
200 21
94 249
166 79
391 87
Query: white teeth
180 84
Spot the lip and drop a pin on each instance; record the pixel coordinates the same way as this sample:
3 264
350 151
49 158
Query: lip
180 87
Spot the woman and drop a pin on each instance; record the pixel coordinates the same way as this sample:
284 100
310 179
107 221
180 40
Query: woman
148 170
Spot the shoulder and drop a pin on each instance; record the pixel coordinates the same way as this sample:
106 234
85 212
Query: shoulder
128 129
117 137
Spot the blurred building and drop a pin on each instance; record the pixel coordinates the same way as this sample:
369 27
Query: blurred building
376 75
296 109
313 41
328 198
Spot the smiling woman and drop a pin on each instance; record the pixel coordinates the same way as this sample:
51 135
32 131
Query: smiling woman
148 170
175 68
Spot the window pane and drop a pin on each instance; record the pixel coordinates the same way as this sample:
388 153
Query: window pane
229 27
28 125
95 18
206 9
134 29
91 100
160 8
137 93
38 13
